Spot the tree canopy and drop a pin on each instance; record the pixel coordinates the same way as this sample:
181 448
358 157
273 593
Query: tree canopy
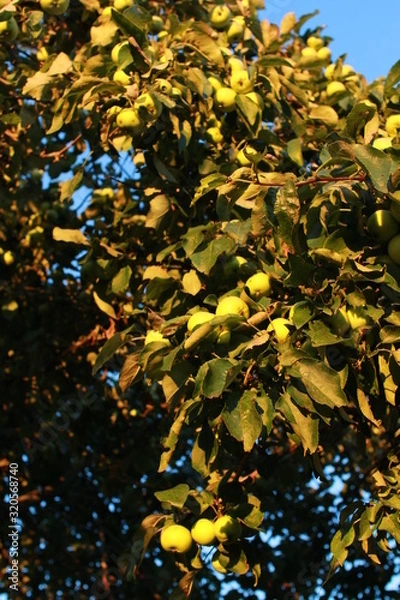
200 304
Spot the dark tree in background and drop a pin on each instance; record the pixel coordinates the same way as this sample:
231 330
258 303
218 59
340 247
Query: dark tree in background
161 160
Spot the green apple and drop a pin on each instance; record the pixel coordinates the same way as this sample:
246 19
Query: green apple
220 17
214 135
176 538
156 336
382 226
121 5
225 98
121 77
395 210
8 258
236 30
176 92
156 24
164 86
199 318
42 54
121 53
240 82
148 106
128 118
280 327
335 87
232 305
324 53
9 30
356 318
233 265
394 249
382 143
224 336
54 7
314 42
258 285
256 98
203 532
393 125
227 529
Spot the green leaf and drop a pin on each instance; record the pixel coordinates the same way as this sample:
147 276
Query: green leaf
326 114
321 335
104 306
242 419
392 79
72 236
120 282
215 376
287 211
185 586
108 350
205 450
126 23
294 151
205 257
159 210
378 165
69 186
359 115
205 45
305 426
338 548
191 283
130 372
175 496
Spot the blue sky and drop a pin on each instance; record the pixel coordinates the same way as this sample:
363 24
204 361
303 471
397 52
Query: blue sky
368 31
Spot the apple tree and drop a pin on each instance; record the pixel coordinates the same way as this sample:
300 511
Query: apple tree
200 277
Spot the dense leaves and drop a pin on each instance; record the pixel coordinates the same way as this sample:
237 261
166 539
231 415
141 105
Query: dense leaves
155 156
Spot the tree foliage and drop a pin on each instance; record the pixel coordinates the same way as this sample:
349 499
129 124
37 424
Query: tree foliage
137 189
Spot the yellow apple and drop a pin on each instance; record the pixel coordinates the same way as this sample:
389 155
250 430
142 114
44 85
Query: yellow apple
176 538
215 562
121 53
225 98
54 7
8 258
156 24
242 159
314 42
215 83
331 71
256 98
324 53
148 106
107 12
335 87
199 318
280 327
258 285
121 77
203 532
232 305
233 265
156 336
356 318
164 86
128 118
227 529
214 135
394 249
382 226
236 64
240 82
224 336
393 125
9 30
236 30
121 5
309 53
347 70
220 17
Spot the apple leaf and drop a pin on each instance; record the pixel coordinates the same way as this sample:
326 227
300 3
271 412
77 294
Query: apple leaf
185 586
326 114
377 164
215 376
207 254
191 283
242 418
130 372
205 450
72 236
108 350
305 426
120 281
175 496
104 306
392 79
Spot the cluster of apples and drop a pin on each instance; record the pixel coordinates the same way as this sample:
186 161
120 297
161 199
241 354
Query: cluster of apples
383 227
225 530
222 20
255 287
392 127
